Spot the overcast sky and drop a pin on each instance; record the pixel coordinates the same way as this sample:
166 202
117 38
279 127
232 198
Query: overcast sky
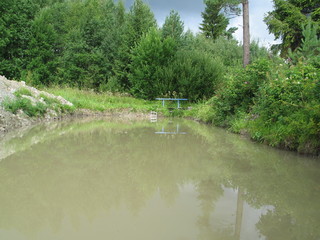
190 12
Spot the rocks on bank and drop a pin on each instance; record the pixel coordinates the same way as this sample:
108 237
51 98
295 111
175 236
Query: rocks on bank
22 105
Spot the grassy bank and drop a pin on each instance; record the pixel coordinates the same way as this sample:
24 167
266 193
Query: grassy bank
85 99
33 104
276 104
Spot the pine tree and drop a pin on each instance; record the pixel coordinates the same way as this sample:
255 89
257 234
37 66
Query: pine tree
287 19
138 22
246 33
310 47
173 26
214 21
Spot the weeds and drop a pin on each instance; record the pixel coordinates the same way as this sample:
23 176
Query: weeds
22 91
13 105
85 99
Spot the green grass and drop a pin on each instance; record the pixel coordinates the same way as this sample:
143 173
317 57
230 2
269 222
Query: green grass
22 91
38 109
26 105
83 99
49 100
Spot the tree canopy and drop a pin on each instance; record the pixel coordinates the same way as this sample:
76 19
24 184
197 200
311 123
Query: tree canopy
287 19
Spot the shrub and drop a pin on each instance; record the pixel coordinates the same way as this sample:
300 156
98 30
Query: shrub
193 74
148 58
288 109
238 92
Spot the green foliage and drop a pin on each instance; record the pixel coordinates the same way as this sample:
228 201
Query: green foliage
173 27
138 22
96 44
148 58
288 110
214 23
24 104
310 48
34 109
273 102
75 43
83 99
287 19
43 51
193 74
238 92
257 52
15 32
226 51
22 91
49 100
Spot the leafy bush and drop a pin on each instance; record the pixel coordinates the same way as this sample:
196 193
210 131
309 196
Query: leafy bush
238 92
288 109
193 74
148 58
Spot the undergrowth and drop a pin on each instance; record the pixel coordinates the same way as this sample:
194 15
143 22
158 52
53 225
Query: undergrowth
36 109
24 104
86 99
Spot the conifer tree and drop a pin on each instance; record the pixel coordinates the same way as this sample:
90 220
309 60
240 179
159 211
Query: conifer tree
231 8
287 19
138 22
310 47
173 26
214 21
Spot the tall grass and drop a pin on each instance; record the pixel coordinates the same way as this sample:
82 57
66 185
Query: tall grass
85 99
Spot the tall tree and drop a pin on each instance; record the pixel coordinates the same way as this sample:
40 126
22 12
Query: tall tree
246 33
173 26
15 26
288 18
147 59
214 22
231 8
138 22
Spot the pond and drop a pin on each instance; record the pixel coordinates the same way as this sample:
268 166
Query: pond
168 180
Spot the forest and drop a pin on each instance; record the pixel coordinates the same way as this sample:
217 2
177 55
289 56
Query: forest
102 46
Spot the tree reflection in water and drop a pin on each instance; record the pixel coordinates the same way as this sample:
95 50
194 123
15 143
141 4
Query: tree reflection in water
86 170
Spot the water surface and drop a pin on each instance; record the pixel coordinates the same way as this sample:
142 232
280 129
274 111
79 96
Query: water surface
167 180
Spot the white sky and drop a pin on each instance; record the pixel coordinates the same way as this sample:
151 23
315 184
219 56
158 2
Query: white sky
190 12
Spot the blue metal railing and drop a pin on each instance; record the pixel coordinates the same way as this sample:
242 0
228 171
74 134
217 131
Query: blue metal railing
172 99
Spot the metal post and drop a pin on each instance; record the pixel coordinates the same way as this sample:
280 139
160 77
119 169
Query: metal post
162 103
178 103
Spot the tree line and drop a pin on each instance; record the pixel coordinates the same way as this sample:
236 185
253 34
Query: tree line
276 100
98 44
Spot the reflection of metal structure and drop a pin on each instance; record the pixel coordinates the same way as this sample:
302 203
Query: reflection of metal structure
176 132
172 99
153 116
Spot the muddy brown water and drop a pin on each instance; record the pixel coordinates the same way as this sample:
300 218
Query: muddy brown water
169 180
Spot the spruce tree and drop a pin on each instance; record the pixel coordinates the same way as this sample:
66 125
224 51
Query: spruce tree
287 19
138 22
173 26
214 21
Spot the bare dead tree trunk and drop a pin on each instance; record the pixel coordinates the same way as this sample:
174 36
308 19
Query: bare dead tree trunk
246 33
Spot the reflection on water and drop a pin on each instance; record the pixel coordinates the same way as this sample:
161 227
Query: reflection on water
175 131
111 180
